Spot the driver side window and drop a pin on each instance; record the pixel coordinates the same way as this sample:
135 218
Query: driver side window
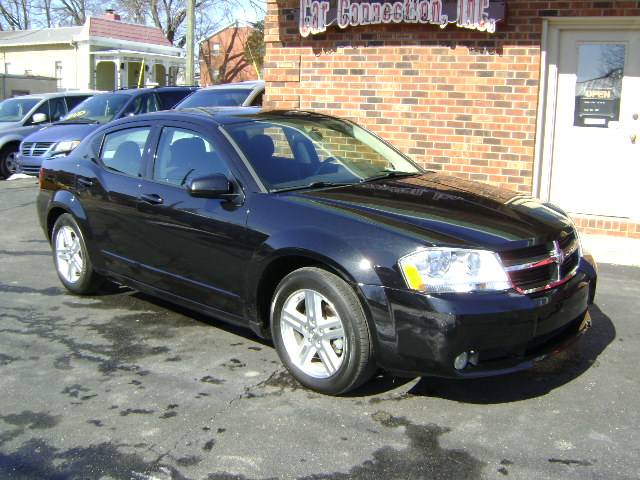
183 155
134 106
44 108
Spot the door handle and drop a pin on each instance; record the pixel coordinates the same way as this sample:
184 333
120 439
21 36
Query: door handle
633 138
85 182
152 198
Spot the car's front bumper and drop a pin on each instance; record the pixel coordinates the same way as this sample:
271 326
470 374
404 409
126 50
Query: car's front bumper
423 334
29 165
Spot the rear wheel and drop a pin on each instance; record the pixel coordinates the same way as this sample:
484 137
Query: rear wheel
8 160
320 331
71 258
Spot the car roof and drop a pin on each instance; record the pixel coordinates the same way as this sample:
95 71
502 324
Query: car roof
236 85
56 94
222 115
136 91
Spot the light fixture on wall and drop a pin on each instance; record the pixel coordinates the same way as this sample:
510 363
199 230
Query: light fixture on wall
122 66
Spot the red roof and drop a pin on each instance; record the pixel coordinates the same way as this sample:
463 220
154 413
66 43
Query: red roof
101 27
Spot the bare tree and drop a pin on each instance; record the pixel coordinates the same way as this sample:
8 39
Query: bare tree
16 14
134 10
45 8
75 9
170 15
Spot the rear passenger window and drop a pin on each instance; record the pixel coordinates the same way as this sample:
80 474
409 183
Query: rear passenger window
170 98
183 155
122 150
75 100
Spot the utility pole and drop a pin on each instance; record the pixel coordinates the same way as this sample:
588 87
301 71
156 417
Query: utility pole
191 20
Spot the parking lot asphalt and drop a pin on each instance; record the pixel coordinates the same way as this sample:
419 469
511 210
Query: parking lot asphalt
124 386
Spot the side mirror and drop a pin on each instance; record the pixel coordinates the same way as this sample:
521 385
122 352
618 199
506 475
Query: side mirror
39 118
210 186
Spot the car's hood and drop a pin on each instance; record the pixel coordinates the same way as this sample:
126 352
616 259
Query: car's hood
20 131
447 210
61 132
8 126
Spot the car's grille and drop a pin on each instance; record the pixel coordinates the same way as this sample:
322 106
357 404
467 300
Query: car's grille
35 149
543 266
30 169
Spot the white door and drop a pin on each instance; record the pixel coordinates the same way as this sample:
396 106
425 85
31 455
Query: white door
596 149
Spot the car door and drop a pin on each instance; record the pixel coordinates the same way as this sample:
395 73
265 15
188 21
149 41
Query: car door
108 189
200 248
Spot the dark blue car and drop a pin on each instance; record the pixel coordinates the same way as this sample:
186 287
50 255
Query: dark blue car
62 137
314 232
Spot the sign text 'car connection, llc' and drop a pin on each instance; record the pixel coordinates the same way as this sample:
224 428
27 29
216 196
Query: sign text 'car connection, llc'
317 15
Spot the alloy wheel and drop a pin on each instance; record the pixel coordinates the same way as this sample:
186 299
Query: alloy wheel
313 333
11 163
69 258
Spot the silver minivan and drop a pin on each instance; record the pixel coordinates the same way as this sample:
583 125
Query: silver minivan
21 116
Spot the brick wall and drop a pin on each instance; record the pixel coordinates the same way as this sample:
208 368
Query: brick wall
455 100
227 63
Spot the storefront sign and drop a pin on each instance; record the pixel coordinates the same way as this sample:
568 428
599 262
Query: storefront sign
317 15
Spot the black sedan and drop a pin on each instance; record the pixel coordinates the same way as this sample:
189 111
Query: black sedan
313 231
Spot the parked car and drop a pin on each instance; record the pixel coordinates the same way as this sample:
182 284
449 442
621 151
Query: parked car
63 136
314 231
21 116
239 94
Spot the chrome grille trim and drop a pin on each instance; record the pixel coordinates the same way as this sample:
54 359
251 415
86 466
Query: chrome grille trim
35 149
539 272
557 283
542 260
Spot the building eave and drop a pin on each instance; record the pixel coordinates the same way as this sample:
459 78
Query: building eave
131 45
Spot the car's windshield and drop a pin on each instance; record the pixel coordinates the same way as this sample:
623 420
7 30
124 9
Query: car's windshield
100 109
216 98
15 109
290 153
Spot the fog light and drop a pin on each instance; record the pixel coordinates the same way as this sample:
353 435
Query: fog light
461 361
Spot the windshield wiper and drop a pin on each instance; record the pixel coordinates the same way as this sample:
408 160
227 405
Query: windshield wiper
389 174
312 185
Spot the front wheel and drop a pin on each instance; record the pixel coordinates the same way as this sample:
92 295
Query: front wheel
8 161
320 331
71 258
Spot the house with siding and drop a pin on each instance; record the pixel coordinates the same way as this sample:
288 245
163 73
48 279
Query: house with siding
105 54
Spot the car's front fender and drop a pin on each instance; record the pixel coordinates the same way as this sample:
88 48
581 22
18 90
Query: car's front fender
296 247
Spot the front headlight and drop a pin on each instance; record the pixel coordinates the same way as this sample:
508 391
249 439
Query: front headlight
443 270
65 146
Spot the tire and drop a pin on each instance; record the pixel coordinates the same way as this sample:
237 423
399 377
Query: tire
330 352
71 257
8 160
